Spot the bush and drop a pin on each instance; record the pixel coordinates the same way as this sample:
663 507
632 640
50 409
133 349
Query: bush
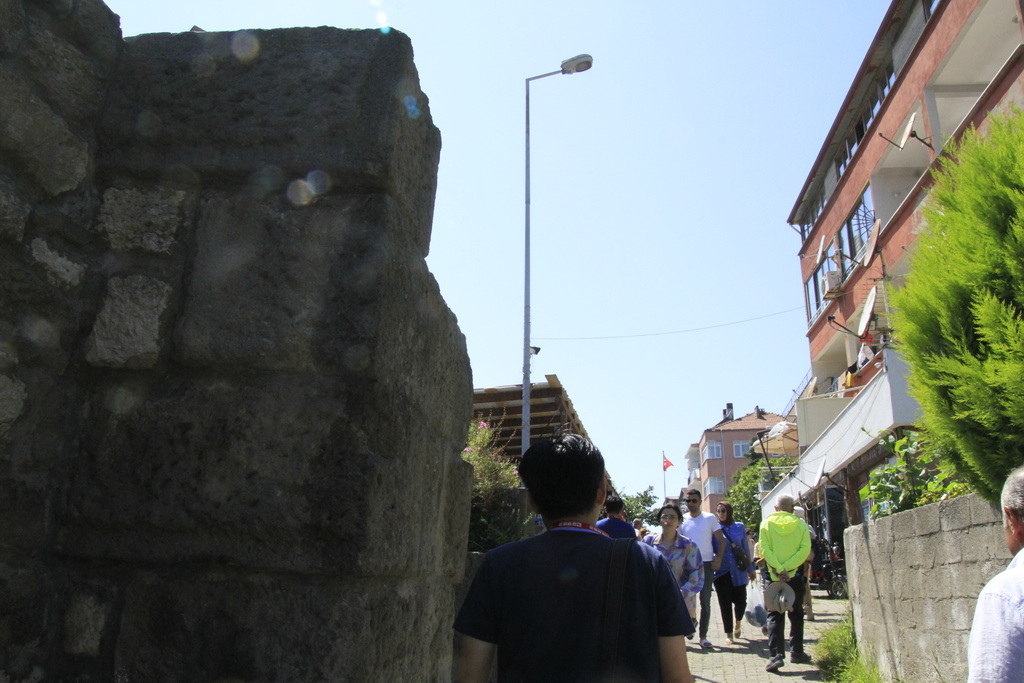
497 515
837 656
959 318
913 480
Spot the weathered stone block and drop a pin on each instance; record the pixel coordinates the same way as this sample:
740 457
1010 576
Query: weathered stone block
343 103
127 330
39 139
60 271
70 81
84 621
215 628
96 30
12 25
983 512
956 513
146 220
924 521
12 400
14 211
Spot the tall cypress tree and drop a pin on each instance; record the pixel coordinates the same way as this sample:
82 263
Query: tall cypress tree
960 315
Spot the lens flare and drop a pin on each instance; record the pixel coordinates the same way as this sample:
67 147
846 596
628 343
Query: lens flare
122 400
245 46
382 20
318 182
412 107
268 179
40 332
299 193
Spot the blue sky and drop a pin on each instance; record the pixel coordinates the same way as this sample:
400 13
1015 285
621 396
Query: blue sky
665 280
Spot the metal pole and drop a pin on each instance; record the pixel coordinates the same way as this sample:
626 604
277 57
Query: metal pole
568 67
525 430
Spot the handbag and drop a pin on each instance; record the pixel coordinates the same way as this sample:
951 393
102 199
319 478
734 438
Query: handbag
742 561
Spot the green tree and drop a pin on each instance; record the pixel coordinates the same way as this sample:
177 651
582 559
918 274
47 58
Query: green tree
960 314
497 515
643 505
744 495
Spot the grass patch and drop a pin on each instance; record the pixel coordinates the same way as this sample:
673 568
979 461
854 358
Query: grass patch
837 656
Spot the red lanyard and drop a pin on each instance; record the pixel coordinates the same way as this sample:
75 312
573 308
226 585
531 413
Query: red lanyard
580 526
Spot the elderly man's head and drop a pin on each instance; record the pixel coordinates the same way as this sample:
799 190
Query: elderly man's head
1012 501
785 503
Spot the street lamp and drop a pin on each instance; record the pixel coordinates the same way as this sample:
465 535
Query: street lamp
569 66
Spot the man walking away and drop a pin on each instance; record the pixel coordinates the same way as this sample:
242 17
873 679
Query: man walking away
785 545
995 653
539 603
615 524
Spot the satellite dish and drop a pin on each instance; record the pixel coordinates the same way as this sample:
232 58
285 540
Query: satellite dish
869 250
907 131
821 250
867 313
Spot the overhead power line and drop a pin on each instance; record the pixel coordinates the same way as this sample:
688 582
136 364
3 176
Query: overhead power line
662 334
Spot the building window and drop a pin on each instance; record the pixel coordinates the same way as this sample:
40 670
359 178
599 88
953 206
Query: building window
712 450
855 232
740 448
714 485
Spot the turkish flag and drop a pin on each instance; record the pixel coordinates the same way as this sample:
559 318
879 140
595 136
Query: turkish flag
665 464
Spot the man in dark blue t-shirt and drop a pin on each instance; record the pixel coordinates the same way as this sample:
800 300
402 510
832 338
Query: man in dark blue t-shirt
539 603
615 524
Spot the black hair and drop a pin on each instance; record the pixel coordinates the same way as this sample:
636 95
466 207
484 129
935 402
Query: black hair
613 505
674 508
562 475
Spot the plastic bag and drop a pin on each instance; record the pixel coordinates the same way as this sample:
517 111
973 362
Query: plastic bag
756 614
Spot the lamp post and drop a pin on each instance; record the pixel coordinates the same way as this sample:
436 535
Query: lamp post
569 66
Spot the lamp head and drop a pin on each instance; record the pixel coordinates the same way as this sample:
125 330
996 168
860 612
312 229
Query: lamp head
577 64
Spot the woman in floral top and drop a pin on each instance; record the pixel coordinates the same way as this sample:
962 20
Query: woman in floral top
682 554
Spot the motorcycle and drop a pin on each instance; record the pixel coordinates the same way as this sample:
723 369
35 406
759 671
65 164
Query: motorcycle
830 574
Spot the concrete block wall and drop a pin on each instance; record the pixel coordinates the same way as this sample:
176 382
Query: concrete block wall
232 398
914 580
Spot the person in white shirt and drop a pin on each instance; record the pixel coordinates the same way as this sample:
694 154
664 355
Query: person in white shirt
995 653
701 527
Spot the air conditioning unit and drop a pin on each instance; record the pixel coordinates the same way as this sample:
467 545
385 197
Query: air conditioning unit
833 282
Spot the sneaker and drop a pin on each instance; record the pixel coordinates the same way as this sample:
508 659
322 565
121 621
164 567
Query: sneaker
705 643
728 639
774 664
800 658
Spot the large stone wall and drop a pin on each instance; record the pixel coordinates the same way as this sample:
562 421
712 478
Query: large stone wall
232 399
914 580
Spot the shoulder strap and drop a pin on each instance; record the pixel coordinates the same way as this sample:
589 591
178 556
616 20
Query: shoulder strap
616 578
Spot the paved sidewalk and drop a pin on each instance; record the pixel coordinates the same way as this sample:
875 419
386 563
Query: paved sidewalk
744 662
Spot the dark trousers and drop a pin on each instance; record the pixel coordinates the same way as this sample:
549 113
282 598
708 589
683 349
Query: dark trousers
705 600
777 623
732 600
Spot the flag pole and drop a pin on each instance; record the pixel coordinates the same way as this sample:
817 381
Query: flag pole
664 477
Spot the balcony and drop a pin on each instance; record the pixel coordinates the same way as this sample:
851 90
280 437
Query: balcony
840 428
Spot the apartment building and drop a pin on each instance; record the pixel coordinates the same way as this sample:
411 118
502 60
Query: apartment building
721 453
934 69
